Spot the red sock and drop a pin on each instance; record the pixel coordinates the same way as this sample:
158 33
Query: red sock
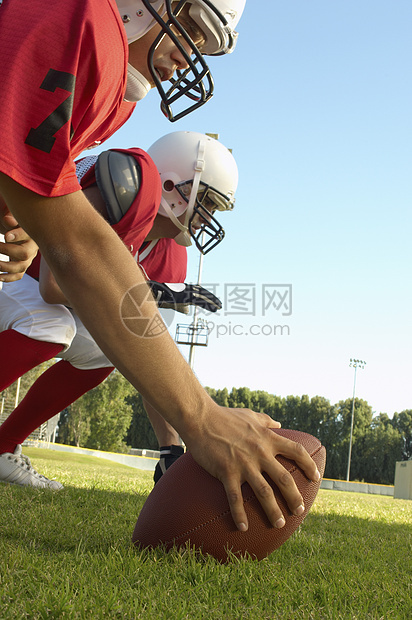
58 387
21 353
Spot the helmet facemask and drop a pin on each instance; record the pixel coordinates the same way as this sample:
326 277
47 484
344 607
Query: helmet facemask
205 230
195 82
214 19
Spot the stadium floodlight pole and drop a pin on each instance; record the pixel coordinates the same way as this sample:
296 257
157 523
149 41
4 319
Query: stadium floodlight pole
354 364
199 279
215 136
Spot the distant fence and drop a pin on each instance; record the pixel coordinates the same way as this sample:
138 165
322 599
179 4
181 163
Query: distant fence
147 459
357 487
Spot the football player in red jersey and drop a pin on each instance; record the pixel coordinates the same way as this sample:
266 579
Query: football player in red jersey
85 64
62 90
125 188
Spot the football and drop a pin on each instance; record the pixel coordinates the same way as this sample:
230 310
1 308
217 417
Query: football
189 506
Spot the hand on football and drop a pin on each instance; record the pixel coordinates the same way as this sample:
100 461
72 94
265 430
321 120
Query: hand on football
237 446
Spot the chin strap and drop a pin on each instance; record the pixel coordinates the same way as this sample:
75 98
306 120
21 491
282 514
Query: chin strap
184 237
198 167
137 86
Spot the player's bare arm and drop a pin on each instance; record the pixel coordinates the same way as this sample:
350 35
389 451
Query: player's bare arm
49 289
233 445
7 220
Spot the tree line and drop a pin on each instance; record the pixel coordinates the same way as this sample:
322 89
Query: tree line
378 441
111 417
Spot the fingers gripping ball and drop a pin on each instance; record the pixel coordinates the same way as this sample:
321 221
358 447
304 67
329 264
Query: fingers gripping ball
190 505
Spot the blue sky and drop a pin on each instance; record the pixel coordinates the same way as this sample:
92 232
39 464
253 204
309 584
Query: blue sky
316 104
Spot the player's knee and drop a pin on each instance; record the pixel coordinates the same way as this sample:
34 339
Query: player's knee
87 357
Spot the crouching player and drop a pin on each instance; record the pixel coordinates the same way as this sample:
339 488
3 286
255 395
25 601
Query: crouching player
198 176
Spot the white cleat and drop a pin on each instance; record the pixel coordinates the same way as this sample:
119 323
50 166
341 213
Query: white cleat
16 469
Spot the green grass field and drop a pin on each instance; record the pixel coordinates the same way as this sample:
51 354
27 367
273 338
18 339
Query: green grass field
69 555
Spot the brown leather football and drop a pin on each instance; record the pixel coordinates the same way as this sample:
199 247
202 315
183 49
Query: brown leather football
188 505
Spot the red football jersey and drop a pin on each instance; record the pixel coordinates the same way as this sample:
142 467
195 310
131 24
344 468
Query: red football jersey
135 225
166 262
63 74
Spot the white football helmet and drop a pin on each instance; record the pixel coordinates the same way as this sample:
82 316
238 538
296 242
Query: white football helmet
199 176
216 19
